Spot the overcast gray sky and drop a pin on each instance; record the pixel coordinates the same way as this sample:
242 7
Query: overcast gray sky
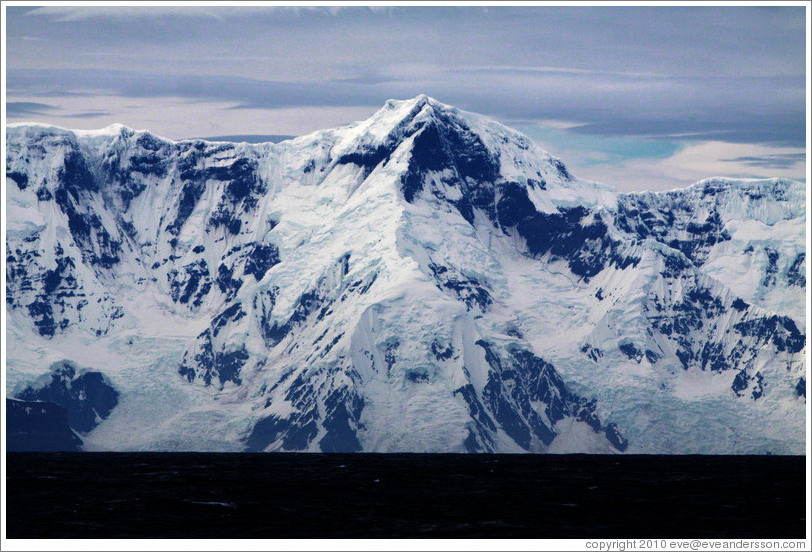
638 97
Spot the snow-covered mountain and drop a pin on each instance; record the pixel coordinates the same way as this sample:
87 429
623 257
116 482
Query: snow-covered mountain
424 280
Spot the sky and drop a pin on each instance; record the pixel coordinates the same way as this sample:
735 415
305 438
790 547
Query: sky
636 97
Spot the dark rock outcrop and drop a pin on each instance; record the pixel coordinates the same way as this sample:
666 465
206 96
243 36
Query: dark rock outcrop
36 426
88 397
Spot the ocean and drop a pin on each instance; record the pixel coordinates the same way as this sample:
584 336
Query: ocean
285 495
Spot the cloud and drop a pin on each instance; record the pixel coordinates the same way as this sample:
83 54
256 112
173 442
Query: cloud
693 162
66 14
773 161
654 78
16 110
87 114
728 109
777 128
23 109
178 118
244 93
531 70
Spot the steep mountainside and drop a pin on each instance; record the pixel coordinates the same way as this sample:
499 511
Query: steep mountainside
424 280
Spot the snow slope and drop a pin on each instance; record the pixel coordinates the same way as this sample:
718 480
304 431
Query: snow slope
424 280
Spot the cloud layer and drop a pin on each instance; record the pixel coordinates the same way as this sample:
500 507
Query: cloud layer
681 75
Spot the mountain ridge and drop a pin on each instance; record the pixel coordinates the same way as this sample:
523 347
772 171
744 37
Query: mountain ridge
379 287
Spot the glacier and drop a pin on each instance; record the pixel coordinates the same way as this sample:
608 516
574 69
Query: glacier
427 280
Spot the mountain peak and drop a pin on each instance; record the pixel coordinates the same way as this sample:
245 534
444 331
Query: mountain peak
379 135
419 101
421 108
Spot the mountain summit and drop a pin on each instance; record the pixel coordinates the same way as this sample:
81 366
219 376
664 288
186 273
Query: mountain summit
425 280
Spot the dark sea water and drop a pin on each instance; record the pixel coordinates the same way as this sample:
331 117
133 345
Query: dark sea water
196 495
